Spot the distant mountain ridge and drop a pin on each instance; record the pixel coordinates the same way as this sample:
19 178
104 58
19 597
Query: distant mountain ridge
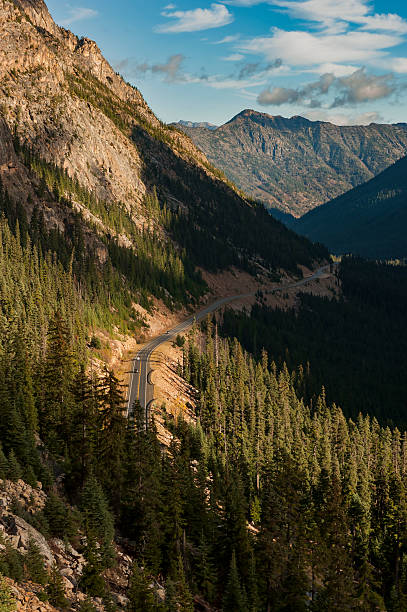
199 124
295 164
370 220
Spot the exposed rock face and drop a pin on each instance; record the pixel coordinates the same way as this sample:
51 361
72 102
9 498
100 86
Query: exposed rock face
61 104
38 13
19 532
48 98
295 164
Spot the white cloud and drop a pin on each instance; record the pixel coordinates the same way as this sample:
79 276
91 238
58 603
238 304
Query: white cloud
337 14
343 119
227 39
389 23
300 48
366 118
338 70
78 14
233 57
362 87
278 96
244 2
396 64
219 82
171 70
196 19
325 11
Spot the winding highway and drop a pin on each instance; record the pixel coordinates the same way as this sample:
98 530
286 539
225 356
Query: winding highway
140 387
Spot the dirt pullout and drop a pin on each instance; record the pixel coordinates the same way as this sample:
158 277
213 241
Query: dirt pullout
288 297
274 294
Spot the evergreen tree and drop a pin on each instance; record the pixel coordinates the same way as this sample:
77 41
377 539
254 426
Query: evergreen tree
34 563
84 426
234 599
92 581
4 467
97 518
11 562
206 572
58 516
111 435
14 469
7 601
140 594
55 589
57 402
87 606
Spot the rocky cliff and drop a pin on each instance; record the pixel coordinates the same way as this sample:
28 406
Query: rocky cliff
54 91
295 164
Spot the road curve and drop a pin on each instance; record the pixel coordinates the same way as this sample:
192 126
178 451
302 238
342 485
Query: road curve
140 387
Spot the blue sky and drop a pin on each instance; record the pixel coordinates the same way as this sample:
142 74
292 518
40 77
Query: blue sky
343 61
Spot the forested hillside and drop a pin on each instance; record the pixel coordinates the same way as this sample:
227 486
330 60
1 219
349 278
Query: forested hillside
370 220
266 503
355 347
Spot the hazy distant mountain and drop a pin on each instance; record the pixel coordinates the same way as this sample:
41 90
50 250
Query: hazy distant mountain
295 164
201 124
370 220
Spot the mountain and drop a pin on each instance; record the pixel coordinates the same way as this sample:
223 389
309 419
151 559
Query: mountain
295 164
78 141
200 124
370 220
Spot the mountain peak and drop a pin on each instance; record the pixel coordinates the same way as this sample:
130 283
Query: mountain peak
265 118
38 12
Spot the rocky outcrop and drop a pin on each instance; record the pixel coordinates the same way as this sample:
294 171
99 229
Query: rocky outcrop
62 104
38 13
18 532
295 164
29 498
25 596
15 531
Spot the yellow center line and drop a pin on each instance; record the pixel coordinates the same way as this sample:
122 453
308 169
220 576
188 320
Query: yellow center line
139 379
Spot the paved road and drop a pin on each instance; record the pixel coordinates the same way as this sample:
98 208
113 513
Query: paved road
140 387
